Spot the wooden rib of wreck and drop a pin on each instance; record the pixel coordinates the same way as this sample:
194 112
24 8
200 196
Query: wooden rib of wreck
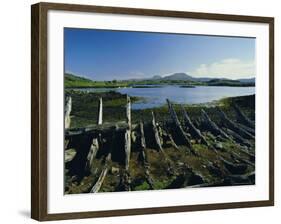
144 158
243 118
231 125
178 130
212 126
159 145
172 130
194 131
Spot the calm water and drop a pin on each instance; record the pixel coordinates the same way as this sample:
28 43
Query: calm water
155 97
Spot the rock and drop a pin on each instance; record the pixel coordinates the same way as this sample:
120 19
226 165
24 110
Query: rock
69 155
218 145
180 163
134 136
114 170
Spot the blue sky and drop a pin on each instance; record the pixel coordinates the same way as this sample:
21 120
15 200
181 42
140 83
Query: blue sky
107 55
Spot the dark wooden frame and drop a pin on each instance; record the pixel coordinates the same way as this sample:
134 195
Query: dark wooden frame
39 110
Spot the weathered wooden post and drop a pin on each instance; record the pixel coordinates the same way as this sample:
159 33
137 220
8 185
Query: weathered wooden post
128 144
145 161
68 106
128 134
95 143
100 111
156 133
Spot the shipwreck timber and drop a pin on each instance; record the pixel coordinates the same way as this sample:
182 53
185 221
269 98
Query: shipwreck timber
125 138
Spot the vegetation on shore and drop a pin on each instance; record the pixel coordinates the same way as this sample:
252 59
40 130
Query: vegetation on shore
85 107
73 81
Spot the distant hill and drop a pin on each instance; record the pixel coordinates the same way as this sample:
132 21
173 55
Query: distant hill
228 82
250 80
185 77
71 80
74 81
179 76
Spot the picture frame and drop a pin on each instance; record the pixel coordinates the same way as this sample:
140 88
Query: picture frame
41 100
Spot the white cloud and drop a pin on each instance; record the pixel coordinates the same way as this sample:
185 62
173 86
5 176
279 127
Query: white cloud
232 68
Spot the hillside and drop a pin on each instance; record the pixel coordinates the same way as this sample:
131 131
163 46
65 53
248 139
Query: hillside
76 81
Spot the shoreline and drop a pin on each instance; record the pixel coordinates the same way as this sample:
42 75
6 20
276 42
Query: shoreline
85 107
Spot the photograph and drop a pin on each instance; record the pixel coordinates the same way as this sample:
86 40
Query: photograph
157 111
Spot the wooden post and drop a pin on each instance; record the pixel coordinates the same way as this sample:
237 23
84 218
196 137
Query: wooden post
145 161
193 129
68 106
143 143
156 133
100 111
126 179
92 153
128 134
95 143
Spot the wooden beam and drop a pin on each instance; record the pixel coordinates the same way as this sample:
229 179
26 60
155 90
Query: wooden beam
96 129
